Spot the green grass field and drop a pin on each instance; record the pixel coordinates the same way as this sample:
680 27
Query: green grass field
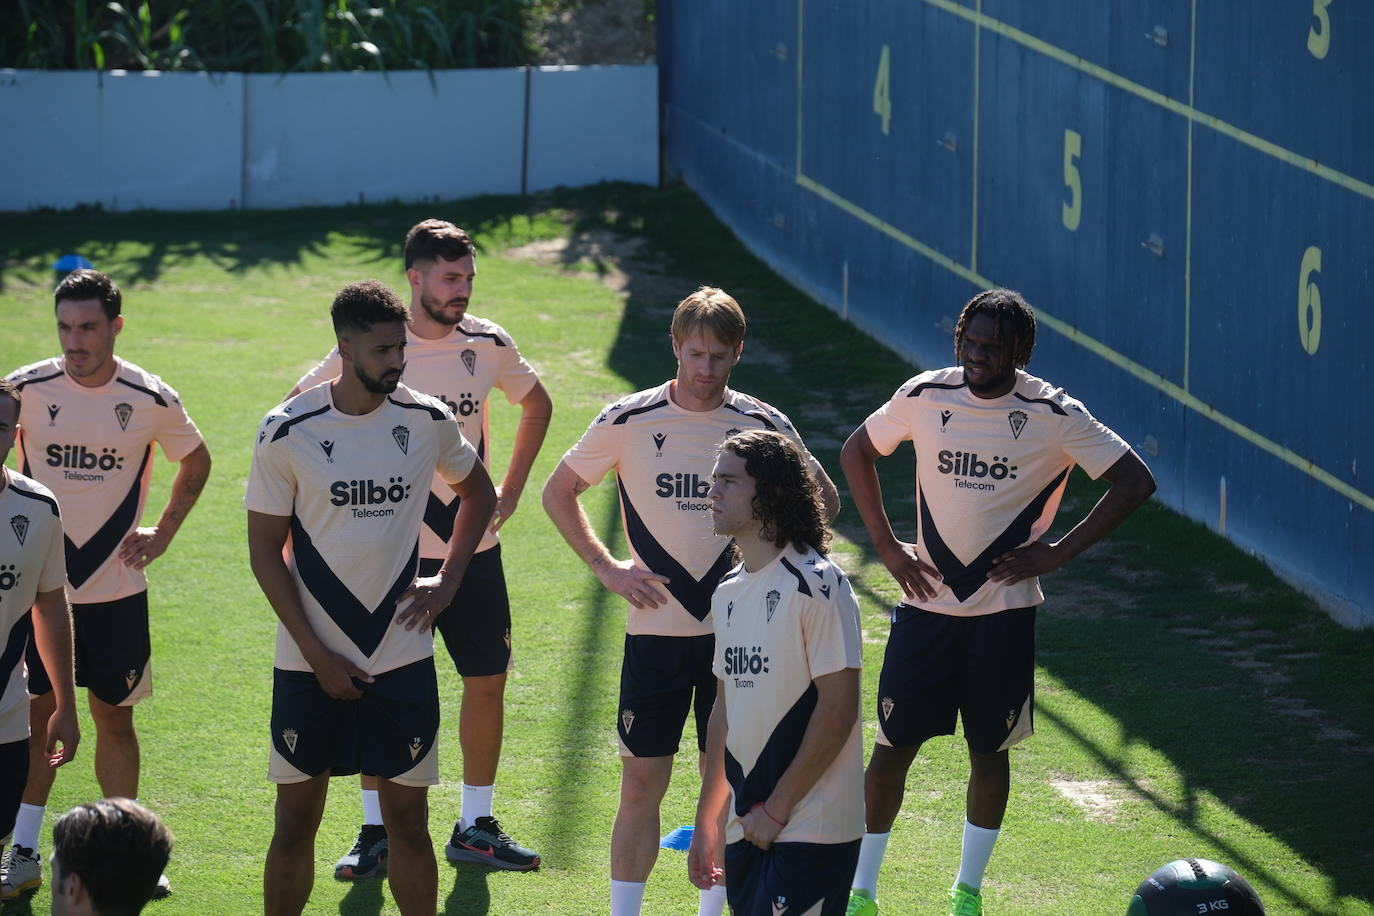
1188 702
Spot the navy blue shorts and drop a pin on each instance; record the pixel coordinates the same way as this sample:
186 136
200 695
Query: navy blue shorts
661 679
390 732
476 624
937 667
14 772
789 878
112 650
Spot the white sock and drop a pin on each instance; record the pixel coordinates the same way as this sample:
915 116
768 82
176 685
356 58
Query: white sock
372 807
626 897
977 850
27 824
712 902
476 803
872 848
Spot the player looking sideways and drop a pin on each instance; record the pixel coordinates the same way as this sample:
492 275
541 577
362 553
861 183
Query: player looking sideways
460 359
783 747
33 574
661 443
994 448
340 472
87 430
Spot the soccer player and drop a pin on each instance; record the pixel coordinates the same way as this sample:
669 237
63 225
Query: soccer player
106 858
33 574
459 359
661 443
338 481
88 425
783 744
994 448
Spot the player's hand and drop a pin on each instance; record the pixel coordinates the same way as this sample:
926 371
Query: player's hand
422 603
336 675
1034 559
634 583
141 547
760 828
912 574
63 730
506 501
704 855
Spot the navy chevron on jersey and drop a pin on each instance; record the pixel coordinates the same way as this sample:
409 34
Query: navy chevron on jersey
777 630
663 456
460 369
990 473
31 561
93 447
354 488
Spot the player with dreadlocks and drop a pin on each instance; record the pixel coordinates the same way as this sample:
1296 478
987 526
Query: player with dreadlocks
994 448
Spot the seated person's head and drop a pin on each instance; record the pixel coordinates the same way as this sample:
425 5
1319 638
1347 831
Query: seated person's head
107 858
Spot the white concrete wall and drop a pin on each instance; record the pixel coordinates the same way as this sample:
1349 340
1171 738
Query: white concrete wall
179 141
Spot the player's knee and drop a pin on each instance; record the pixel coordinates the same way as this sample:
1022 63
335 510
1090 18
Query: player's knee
642 787
489 689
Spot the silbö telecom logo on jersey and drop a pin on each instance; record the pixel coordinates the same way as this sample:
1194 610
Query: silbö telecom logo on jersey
360 496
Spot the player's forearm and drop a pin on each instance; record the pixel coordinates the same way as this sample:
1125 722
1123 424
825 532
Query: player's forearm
561 504
192 473
715 788
536 410
837 709
858 462
1131 484
52 634
830 494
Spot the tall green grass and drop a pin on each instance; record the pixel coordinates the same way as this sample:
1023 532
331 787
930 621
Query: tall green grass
271 36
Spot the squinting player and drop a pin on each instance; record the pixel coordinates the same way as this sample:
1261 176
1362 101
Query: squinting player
339 479
460 359
89 423
662 443
994 448
33 574
783 748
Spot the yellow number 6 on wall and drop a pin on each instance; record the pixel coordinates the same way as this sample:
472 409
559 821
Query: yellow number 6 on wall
1310 301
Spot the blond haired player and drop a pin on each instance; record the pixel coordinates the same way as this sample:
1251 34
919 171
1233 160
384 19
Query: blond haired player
88 426
33 574
661 443
784 764
339 478
461 359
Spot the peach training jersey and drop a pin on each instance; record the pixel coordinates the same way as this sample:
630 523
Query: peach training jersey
777 630
354 488
31 561
663 456
990 474
460 369
93 447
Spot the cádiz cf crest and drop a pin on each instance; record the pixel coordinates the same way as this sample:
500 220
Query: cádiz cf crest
1017 419
123 412
402 436
289 736
20 524
470 360
627 719
772 600
887 704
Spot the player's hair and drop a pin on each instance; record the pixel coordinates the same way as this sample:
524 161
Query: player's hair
90 284
119 849
8 390
1015 323
787 500
432 239
712 310
359 306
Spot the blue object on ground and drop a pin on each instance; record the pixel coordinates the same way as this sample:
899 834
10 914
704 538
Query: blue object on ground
70 262
681 838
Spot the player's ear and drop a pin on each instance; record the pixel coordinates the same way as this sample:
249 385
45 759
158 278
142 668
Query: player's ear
739 351
345 349
118 324
413 276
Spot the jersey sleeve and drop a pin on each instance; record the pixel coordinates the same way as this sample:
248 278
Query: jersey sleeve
456 456
271 479
1088 442
327 369
176 431
597 451
517 376
786 427
830 628
890 425
54 574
